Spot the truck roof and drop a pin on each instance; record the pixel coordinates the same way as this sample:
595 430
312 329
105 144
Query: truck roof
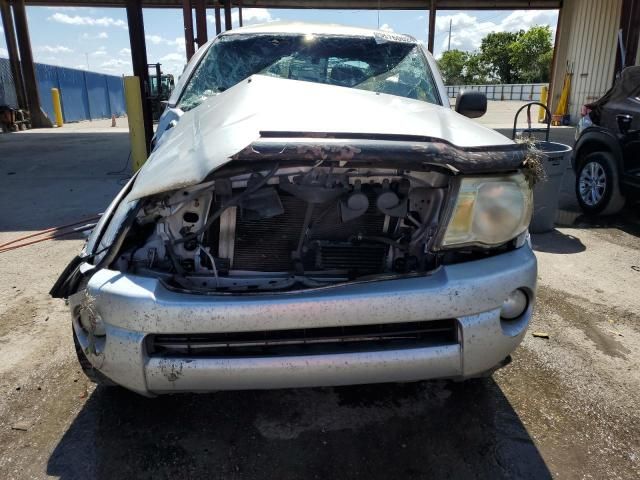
303 28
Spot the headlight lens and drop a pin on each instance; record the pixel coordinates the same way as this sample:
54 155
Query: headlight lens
489 211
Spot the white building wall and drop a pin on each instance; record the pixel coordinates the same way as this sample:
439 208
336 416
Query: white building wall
587 47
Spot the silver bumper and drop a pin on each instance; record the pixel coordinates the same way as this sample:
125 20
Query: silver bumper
133 307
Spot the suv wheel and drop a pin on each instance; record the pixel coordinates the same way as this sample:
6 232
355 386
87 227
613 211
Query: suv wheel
597 185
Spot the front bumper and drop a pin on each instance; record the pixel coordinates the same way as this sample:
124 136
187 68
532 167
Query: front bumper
133 307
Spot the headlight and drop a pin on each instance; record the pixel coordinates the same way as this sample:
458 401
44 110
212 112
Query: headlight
489 211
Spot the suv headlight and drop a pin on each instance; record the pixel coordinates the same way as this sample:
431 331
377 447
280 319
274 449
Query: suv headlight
489 211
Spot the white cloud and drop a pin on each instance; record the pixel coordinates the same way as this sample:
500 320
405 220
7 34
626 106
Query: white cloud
125 52
116 65
50 60
386 27
155 39
98 36
173 57
467 31
4 52
159 40
87 21
179 42
250 16
53 49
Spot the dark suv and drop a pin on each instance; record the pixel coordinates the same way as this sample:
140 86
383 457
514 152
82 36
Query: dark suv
606 157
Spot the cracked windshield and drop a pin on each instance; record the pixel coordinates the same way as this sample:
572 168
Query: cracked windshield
374 64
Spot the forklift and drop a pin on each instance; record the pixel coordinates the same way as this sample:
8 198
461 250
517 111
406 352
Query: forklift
160 87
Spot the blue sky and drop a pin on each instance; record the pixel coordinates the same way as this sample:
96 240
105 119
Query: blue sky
97 38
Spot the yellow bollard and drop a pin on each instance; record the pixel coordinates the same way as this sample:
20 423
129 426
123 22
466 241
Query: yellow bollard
544 93
133 100
57 106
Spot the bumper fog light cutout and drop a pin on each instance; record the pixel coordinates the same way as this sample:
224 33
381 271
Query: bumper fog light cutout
515 305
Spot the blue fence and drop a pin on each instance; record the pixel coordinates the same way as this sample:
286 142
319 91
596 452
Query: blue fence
84 95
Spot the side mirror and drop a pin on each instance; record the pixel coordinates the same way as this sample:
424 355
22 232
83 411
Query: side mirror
471 104
624 122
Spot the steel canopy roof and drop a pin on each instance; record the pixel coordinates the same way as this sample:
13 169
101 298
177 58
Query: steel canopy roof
324 4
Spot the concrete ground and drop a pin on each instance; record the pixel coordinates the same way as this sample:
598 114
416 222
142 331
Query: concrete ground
567 407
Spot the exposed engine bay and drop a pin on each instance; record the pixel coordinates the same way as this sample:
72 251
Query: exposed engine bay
289 228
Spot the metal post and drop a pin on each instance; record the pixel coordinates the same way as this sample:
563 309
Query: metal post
240 13
218 22
57 106
86 95
227 14
137 136
38 117
432 25
201 21
187 14
140 64
108 97
12 48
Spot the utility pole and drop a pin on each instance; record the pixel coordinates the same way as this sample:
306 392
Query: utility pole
449 46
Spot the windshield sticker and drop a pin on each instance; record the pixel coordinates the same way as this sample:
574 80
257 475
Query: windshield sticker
384 37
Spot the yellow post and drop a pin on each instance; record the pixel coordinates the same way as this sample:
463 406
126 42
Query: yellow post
544 93
57 106
133 101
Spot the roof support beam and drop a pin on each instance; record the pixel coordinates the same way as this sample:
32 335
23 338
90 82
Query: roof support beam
218 21
227 14
187 15
630 26
201 22
38 118
12 48
140 63
432 25
330 4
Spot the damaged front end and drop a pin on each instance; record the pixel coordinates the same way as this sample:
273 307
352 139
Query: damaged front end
294 212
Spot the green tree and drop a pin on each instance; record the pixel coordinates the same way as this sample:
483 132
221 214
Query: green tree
505 57
476 71
495 50
531 54
452 65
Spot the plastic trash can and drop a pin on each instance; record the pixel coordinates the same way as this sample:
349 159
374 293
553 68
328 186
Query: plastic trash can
546 194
